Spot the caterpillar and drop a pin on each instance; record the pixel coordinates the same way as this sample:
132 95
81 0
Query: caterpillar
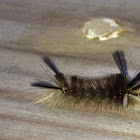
114 91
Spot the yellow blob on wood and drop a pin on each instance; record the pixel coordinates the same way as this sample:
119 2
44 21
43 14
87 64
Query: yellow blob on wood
102 29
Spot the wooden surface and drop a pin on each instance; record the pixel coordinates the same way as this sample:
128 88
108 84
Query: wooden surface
30 29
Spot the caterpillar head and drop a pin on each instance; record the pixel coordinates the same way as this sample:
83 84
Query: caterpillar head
132 85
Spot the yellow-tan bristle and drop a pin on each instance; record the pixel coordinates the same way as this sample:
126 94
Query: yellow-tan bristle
60 100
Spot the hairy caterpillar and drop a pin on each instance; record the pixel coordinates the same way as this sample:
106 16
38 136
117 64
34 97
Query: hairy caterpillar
116 90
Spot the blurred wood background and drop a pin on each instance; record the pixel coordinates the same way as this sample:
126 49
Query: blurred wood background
30 29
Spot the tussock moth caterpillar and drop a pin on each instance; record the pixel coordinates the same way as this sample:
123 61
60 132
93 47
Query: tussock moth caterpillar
114 91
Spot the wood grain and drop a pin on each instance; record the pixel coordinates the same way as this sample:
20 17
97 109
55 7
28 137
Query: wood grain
30 29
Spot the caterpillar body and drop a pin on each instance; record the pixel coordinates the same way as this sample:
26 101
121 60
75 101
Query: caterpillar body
116 90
